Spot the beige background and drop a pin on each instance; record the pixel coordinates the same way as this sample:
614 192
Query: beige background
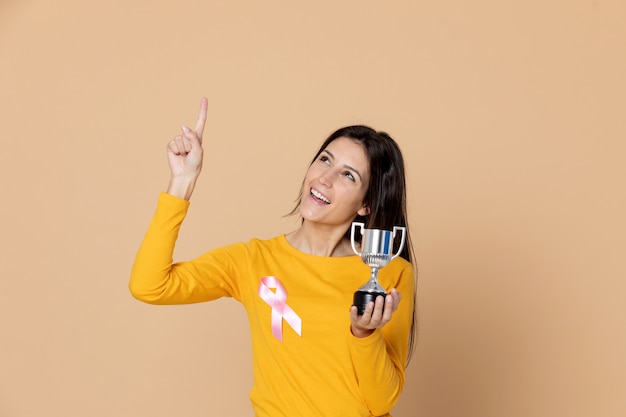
511 115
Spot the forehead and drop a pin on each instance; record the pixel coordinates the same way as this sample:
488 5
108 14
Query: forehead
350 152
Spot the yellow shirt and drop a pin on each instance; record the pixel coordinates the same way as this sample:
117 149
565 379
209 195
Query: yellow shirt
324 371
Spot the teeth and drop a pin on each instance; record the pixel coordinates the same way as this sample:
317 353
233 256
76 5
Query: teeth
318 195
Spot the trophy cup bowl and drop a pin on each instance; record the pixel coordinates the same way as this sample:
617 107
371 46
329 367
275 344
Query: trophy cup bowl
376 252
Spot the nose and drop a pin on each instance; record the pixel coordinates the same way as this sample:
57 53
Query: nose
325 180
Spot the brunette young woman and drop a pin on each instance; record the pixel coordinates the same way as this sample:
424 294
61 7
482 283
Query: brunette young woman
313 354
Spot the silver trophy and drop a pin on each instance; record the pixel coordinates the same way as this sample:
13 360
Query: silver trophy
376 252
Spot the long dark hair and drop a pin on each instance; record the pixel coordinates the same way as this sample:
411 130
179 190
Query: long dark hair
386 192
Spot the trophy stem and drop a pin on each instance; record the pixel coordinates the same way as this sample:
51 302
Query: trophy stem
368 292
372 284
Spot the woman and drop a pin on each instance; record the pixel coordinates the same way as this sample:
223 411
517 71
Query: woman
313 354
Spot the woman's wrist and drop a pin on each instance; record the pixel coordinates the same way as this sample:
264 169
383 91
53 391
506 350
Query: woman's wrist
360 333
181 187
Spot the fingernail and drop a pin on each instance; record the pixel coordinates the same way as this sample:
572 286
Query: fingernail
186 129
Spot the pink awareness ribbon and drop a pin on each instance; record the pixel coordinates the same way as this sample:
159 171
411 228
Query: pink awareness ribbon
278 301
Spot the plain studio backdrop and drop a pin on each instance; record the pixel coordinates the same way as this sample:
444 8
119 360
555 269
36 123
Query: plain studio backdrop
512 119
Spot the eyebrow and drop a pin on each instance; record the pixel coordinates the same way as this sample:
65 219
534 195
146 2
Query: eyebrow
346 166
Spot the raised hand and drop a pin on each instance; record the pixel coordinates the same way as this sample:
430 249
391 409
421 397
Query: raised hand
374 316
184 155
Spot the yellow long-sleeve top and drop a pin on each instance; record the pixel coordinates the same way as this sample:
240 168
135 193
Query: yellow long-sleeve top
325 371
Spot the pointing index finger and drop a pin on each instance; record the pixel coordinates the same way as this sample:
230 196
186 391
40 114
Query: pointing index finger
201 117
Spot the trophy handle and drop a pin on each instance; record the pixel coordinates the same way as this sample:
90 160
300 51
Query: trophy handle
355 224
403 229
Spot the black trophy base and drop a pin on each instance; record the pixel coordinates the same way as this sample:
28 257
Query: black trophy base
362 298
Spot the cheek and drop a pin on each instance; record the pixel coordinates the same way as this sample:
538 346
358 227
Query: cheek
354 197
361 199
306 179
310 173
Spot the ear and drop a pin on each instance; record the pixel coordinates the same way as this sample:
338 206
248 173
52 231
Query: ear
364 211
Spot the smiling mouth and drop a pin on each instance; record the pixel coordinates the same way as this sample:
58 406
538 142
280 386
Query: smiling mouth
319 196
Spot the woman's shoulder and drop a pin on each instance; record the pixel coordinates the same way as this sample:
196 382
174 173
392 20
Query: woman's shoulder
256 244
400 264
272 242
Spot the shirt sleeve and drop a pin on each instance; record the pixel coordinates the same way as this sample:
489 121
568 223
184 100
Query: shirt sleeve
155 279
379 360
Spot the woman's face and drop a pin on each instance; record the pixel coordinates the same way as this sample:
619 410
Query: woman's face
335 184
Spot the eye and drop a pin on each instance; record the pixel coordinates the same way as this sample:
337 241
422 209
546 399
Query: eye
324 159
349 175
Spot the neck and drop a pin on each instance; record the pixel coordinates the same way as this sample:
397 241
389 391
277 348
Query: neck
320 240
